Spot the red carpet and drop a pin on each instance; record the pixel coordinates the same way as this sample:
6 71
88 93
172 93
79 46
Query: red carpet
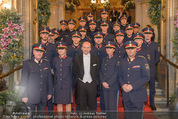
148 115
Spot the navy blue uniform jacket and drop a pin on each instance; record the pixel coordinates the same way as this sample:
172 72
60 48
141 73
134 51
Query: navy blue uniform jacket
109 73
136 73
36 81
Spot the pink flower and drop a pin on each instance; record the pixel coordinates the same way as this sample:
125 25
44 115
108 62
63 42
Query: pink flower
11 27
13 33
13 37
20 32
9 23
9 40
6 30
5 35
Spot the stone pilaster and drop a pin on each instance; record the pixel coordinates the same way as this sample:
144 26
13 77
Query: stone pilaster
54 18
61 12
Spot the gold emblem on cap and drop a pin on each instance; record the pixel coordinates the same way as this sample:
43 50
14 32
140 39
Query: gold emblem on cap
40 46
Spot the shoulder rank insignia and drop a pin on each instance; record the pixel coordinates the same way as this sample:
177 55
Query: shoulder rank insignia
147 66
118 63
148 56
141 56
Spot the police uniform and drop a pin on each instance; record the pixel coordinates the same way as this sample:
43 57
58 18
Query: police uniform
67 38
136 25
50 51
140 50
109 74
73 50
124 16
82 19
61 32
153 57
36 81
56 31
105 11
84 29
116 23
63 73
89 32
120 50
126 38
134 72
98 50
107 36
89 14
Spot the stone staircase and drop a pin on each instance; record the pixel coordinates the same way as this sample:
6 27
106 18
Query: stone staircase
160 99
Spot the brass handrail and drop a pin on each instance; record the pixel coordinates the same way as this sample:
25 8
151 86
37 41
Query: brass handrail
171 63
10 72
175 66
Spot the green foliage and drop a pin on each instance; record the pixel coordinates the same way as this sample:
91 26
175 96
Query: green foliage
9 96
175 43
43 12
129 5
172 98
154 13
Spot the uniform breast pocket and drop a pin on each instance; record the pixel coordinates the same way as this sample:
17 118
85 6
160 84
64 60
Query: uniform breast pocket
136 69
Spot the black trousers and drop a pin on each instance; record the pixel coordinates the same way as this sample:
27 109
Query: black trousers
86 95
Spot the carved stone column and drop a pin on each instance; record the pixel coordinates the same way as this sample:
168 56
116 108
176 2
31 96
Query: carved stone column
54 18
138 12
61 13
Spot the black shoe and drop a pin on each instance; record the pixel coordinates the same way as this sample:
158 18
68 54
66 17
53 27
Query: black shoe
153 107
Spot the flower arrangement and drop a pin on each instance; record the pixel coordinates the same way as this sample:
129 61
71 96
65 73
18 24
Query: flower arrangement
43 12
175 40
107 5
129 5
11 47
93 6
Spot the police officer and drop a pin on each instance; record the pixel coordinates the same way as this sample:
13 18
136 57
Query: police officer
75 48
90 16
57 36
67 36
138 38
62 66
134 73
104 17
109 80
51 37
50 52
129 33
120 50
123 20
83 31
63 29
153 57
116 26
104 29
136 27
82 21
36 81
92 29
98 49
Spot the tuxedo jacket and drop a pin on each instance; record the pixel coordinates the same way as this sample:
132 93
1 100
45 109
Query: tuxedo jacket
78 67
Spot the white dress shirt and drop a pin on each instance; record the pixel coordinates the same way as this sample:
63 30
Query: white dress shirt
86 63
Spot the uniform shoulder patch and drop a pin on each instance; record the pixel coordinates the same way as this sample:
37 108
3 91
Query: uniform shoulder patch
46 60
147 66
118 63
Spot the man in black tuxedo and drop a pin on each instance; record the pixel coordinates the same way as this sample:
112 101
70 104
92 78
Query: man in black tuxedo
86 70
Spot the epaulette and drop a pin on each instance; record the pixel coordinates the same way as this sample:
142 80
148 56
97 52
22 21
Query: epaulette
46 60
141 56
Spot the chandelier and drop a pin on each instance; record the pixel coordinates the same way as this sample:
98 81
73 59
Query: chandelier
99 1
